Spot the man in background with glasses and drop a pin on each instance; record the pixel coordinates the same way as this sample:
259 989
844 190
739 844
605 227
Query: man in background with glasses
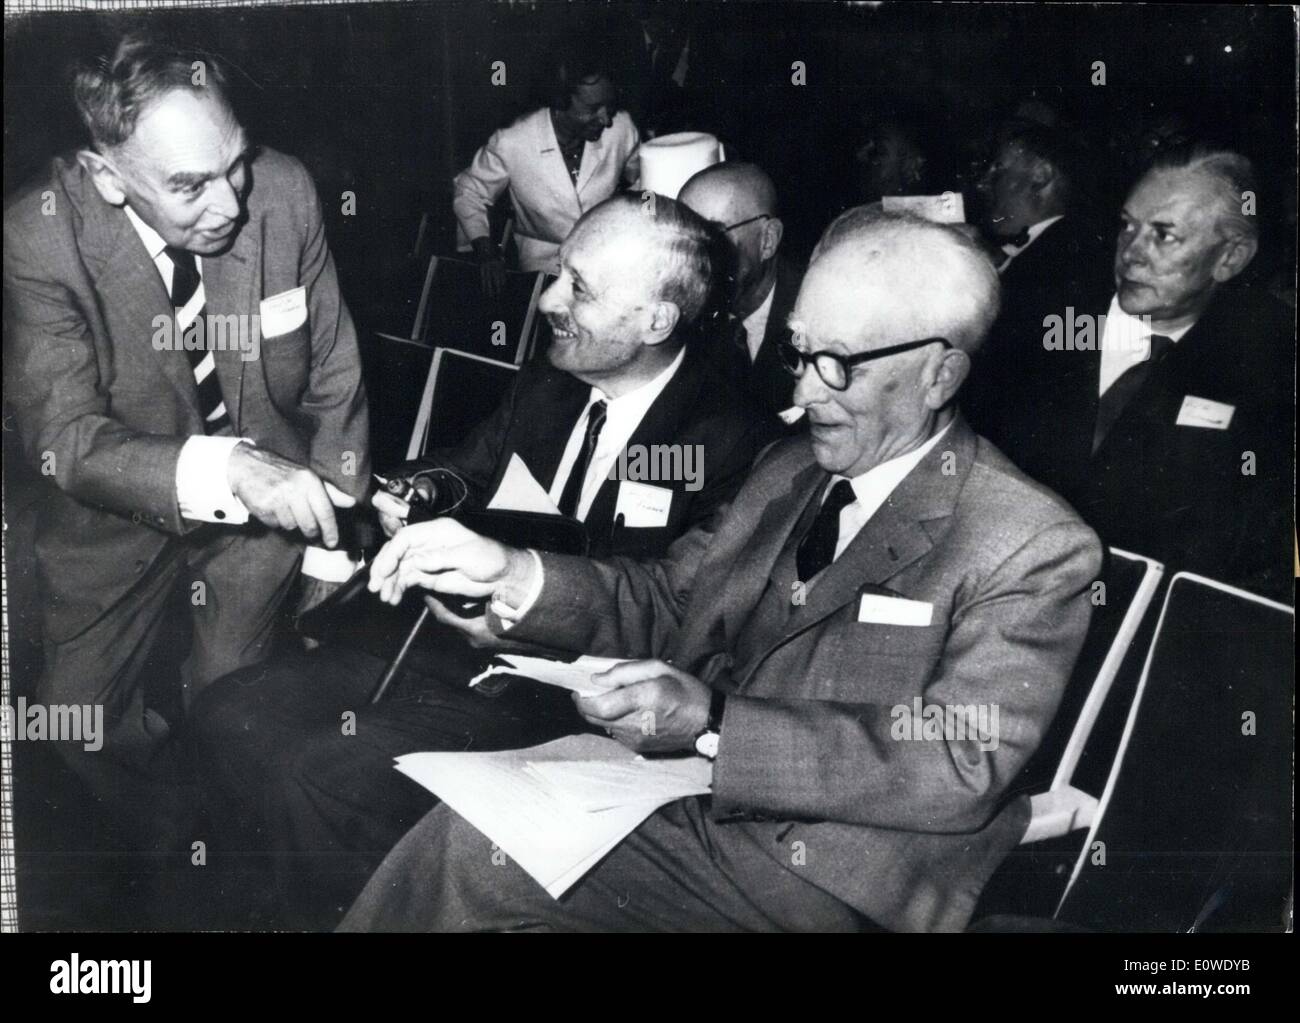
888 568
741 199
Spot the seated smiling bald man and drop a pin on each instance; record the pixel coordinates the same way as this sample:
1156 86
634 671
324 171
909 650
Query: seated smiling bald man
889 556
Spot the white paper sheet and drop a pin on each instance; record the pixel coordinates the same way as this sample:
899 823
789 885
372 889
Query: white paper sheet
574 676
530 802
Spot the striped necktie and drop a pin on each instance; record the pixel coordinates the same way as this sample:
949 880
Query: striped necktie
189 302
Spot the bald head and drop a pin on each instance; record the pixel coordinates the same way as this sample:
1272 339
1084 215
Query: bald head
730 192
933 280
740 198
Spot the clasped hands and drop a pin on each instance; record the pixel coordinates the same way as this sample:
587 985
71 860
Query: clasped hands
652 707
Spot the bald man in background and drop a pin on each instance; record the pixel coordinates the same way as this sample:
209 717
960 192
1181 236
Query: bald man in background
887 560
741 199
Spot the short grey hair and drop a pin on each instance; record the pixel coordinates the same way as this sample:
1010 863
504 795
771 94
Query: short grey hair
965 274
1233 176
688 250
112 93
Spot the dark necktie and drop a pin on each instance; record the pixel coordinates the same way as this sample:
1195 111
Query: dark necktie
572 492
1121 392
817 548
185 282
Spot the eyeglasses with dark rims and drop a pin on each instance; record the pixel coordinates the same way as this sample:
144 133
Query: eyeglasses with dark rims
834 369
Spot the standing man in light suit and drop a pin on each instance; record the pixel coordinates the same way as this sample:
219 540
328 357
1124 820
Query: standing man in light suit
889 558
557 162
185 476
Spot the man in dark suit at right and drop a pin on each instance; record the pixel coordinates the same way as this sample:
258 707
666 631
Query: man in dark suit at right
741 199
1050 256
1171 434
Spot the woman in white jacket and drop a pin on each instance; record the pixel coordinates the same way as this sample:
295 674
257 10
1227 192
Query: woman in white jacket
558 162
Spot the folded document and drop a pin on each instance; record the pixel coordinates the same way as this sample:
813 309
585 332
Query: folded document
559 808
572 675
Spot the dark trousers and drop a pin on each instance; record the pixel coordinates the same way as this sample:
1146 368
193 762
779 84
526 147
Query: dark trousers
222 588
297 768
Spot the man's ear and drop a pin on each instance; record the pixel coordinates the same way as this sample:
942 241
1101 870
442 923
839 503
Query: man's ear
105 175
773 232
663 321
1234 257
951 373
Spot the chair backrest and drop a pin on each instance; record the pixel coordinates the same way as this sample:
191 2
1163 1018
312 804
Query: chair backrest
1193 829
1128 585
453 311
461 390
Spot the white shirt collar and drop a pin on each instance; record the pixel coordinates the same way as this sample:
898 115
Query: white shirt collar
153 241
1125 342
756 323
873 487
1035 230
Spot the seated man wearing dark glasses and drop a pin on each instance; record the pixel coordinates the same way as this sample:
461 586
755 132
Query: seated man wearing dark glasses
869 643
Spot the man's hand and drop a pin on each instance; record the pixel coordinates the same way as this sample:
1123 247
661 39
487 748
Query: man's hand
444 556
476 630
280 493
492 268
392 511
655 709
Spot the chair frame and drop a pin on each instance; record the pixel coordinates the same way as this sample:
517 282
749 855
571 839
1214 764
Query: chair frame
1099 811
1064 808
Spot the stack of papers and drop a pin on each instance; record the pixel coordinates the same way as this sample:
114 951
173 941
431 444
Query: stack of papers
572 675
559 808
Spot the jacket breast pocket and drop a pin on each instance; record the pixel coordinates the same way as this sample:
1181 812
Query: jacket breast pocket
883 663
286 366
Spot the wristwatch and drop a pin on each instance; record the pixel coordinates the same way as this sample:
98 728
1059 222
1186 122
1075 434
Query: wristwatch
706 742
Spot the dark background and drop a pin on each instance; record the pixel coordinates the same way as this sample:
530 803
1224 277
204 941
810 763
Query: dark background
391 100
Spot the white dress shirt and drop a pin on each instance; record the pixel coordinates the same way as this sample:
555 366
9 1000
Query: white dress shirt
203 491
1125 342
1035 230
622 416
873 487
756 323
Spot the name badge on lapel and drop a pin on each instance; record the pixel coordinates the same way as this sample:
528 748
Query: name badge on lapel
284 312
881 610
643 506
1207 414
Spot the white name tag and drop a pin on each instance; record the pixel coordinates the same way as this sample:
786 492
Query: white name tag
284 312
643 506
882 610
1207 414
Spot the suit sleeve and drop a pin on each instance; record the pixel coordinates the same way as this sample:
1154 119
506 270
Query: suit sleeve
616 607
1011 648
54 387
335 399
478 186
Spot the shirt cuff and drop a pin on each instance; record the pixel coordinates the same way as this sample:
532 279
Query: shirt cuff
203 491
329 566
510 615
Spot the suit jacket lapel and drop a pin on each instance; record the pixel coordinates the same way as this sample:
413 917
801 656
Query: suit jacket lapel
131 287
593 153
560 399
901 531
231 285
739 590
